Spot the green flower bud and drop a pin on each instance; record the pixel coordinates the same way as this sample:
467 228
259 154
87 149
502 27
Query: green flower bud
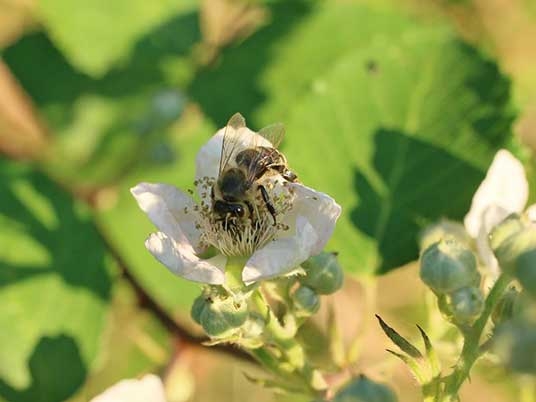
364 390
442 230
222 316
197 308
306 302
515 343
507 307
508 249
448 265
466 304
510 226
324 274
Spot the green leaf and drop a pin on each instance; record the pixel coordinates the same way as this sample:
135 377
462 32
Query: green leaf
55 288
97 34
400 133
399 340
103 127
303 40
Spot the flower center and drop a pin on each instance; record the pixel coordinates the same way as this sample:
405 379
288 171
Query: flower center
263 219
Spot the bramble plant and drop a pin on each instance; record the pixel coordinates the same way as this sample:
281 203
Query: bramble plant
397 212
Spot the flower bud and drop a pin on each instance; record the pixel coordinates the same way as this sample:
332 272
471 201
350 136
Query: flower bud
197 308
364 390
220 317
466 304
514 243
515 343
324 274
507 306
306 302
442 230
510 226
448 265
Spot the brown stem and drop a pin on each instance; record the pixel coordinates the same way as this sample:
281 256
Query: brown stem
147 302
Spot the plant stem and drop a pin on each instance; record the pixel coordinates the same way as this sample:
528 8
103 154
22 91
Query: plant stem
471 347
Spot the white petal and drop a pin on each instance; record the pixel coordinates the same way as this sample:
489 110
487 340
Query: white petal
531 212
492 216
505 186
207 162
165 205
180 259
319 209
149 388
282 255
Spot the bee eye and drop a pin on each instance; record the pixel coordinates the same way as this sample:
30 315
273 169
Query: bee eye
239 211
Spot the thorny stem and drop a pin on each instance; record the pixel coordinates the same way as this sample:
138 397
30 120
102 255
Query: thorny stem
292 351
471 348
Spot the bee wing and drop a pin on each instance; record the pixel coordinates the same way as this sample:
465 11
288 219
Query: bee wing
231 139
274 133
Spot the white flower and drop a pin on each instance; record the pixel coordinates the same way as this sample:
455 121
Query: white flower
148 389
504 191
305 221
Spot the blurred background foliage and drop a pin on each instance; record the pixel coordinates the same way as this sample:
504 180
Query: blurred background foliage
395 108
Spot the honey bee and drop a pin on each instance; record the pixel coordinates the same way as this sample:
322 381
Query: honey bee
244 163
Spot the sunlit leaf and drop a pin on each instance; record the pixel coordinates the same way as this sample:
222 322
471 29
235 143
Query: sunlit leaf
97 34
55 287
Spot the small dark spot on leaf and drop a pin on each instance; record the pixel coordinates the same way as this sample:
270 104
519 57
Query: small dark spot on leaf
372 67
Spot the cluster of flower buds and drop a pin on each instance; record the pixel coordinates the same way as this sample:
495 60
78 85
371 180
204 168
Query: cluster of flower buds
323 276
513 242
362 389
449 269
234 317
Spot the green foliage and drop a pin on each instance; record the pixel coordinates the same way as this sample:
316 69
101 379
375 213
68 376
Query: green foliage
103 126
55 287
398 121
97 34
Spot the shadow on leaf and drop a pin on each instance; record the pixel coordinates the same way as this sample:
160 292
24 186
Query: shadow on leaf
56 369
72 243
415 175
232 85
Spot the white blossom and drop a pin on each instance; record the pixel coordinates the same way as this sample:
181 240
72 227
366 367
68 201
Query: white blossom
149 388
503 191
187 228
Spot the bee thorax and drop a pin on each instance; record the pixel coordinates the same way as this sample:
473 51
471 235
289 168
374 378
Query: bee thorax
240 227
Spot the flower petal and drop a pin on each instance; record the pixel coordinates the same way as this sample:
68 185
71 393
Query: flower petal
180 259
282 255
319 209
207 162
505 186
492 216
531 212
171 210
149 388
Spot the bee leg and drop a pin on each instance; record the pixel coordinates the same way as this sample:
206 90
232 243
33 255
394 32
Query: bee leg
266 200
